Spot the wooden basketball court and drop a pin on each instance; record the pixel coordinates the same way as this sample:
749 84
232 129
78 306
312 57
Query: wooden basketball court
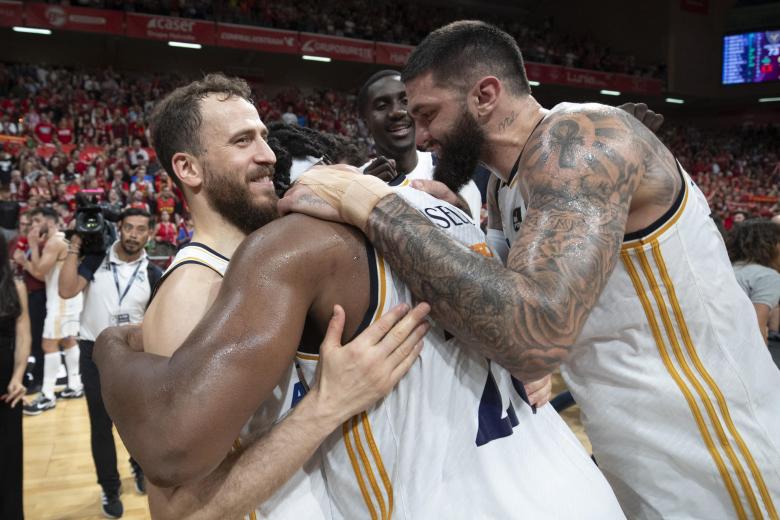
59 477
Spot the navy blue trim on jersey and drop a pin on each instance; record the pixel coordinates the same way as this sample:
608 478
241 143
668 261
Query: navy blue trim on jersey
167 274
635 235
207 248
398 180
373 300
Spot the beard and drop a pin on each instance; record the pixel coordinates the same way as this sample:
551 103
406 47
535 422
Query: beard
130 247
460 152
233 199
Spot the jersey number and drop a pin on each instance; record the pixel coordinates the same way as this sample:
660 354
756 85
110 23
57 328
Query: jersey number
492 425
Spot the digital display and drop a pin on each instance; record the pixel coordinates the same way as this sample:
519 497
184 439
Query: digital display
751 57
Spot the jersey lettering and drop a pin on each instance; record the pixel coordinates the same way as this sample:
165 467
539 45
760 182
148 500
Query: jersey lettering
444 217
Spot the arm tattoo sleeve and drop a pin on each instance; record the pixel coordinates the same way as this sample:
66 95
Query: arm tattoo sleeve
579 171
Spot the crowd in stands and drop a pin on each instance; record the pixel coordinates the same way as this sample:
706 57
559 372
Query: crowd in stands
63 132
738 169
397 21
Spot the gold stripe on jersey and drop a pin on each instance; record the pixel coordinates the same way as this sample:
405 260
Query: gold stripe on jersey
379 464
662 350
236 447
380 261
694 381
217 260
722 405
369 468
351 427
307 357
639 242
345 429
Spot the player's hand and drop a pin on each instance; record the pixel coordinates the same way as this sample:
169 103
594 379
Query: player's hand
436 189
647 117
114 343
352 377
14 393
383 168
539 392
339 193
34 236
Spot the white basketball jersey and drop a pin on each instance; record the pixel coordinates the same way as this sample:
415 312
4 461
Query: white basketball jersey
61 307
456 438
678 392
303 496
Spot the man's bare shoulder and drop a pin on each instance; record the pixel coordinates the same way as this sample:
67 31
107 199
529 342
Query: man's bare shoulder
179 304
297 237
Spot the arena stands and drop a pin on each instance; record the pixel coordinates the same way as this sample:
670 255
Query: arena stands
405 22
65 131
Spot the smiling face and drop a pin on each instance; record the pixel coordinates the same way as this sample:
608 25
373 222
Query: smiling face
387 118
237 163
446 127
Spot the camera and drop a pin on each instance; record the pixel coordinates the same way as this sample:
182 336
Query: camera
91 225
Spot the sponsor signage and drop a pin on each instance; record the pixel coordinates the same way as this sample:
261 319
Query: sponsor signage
337 48
170 28
257 38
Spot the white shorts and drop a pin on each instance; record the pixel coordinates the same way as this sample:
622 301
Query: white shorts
58 326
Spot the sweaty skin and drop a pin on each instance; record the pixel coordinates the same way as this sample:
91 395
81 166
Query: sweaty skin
277 296
589 174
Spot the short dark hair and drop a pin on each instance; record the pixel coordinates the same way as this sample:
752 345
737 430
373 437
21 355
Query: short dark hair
136 212
459 53
176 119
753 241
44 212
362 97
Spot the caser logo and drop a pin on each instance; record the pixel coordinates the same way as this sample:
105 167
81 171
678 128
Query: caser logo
170 24
56 16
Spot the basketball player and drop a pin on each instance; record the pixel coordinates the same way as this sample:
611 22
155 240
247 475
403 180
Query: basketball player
228 188
443 442
382 105
616 272
62 315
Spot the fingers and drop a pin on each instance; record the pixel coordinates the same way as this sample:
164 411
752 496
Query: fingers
18 397
539 392
335 328
405 364
401 331
640 111
656 122
400 353
379 329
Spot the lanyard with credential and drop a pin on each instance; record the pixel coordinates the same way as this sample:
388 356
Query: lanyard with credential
129 284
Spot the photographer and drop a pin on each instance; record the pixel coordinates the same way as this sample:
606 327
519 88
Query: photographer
117 286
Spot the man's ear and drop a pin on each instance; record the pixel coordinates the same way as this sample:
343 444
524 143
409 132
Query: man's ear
485 94
188 169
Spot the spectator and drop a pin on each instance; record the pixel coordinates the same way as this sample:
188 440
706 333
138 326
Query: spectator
137 156
117 287
289 116
754 250
14 351
186 230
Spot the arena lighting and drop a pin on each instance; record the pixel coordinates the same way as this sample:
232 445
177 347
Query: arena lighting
323 59
610 92
533 83
768 99
675 101
184 45
31 30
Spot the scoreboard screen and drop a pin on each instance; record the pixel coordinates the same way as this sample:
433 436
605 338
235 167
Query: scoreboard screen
751 57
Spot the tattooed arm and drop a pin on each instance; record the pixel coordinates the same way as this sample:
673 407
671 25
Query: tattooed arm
579 173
